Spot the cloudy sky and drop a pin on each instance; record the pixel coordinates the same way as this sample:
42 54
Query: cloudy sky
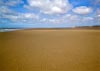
49 13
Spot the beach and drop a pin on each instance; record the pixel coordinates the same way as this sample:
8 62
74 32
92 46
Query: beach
50 50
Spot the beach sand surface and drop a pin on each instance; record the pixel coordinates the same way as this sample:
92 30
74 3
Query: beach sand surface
50 50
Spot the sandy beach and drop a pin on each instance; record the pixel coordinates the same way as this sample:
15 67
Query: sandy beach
50 50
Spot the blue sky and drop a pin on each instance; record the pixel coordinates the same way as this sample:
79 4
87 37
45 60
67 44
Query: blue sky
49 13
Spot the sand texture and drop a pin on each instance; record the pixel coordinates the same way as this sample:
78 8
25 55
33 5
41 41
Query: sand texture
50 50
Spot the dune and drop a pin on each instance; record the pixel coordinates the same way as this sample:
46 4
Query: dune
50 50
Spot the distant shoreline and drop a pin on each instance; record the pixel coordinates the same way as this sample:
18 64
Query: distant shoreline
73 28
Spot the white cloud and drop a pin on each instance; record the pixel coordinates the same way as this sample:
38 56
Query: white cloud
13 2
36 3
6 13
54 10
82 10
49 21
22 17
4 9
51 7
88 18
98 15
98 12
96 2
29 16
59 7
16 17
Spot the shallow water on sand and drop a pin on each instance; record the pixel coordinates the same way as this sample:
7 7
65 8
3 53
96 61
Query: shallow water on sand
50 50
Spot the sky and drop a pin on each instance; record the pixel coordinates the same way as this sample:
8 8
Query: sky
49 13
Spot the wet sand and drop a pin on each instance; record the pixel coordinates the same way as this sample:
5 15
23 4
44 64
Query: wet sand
50 50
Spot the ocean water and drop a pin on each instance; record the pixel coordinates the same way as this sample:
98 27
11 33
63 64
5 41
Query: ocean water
7 30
